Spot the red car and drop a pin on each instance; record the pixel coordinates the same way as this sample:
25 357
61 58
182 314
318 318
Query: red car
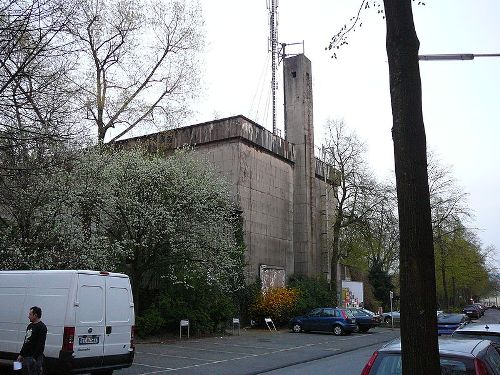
457 357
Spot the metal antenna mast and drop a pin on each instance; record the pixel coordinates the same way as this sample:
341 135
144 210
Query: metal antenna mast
272 5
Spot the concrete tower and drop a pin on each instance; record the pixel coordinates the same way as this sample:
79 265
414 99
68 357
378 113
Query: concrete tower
299 130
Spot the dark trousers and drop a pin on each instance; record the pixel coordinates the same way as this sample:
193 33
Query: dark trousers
33 366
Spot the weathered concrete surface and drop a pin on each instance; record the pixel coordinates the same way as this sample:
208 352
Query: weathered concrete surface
284 191
223 130
300 131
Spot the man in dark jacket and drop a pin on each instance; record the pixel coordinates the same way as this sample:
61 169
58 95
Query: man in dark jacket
31 354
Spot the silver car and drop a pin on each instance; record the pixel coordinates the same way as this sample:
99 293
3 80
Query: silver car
394 314
479 331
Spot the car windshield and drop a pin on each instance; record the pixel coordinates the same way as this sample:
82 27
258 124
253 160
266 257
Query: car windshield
493 336
391 364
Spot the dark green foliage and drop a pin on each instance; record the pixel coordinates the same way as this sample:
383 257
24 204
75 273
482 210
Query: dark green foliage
314 292
246 297
150 323
382 285
207 308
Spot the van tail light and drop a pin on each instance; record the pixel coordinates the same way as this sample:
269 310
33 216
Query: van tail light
68 339
369 364
480 367
132 337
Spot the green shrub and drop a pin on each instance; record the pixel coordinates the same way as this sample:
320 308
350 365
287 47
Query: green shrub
314 292
150 322
207 309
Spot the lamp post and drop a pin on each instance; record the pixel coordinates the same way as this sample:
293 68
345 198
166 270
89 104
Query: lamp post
456 56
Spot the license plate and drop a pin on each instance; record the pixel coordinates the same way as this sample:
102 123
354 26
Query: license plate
88 340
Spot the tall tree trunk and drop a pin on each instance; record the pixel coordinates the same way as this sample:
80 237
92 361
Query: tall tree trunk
453 292
417 272
443 277
334 284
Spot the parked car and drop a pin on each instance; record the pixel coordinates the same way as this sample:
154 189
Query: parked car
448 323
329 319
387 316
479 331
482 307
377 315
364 319
457 357
472 311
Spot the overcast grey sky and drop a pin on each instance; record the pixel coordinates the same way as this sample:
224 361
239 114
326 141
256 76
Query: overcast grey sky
460 98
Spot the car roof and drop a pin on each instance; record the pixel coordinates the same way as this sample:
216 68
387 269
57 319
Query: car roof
481 327
450 318
466 347
328 307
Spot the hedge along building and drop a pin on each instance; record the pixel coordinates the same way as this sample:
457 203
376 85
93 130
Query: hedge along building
284 191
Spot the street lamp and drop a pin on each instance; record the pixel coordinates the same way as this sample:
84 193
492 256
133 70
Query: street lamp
457 56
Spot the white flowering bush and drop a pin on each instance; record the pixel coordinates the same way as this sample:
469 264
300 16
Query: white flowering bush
160 219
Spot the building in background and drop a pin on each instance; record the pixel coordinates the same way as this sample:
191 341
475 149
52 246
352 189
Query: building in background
284 191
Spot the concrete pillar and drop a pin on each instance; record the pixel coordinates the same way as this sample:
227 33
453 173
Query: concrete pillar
299 130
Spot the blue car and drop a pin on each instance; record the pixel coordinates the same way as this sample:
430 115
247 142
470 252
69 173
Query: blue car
327 319
448 323
365 319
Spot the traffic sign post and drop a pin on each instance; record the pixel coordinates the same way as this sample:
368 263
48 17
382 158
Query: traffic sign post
236 322
391 295
183 323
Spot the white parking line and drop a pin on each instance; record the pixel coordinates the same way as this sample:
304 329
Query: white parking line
172 356
229 360
203 350
143 364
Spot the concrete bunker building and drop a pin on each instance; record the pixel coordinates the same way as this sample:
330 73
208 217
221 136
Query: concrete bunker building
284 191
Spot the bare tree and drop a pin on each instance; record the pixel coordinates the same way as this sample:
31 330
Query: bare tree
33 64
35 102
380 230
140 62
355 194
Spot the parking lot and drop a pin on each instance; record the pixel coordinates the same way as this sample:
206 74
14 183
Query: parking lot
251 352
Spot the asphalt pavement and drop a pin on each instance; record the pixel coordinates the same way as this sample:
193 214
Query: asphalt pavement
254 351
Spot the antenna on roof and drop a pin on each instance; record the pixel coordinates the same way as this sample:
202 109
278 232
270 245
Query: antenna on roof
272 6
277 53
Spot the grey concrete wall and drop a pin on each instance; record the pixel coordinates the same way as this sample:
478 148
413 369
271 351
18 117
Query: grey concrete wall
263 186
324 217
237 127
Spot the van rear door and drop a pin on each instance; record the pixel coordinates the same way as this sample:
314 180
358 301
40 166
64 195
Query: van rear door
90 320
119 320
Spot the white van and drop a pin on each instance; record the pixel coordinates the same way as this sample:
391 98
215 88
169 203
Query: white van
89 317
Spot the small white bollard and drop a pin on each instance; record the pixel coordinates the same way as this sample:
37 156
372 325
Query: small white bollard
183 323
